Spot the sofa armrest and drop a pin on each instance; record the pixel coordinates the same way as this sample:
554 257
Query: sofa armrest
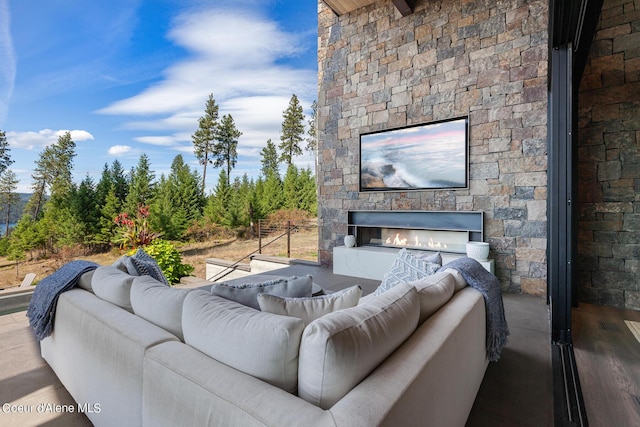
185 387
432 379
97 350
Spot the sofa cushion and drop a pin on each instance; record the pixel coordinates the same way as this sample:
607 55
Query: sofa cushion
85 281
263 345
433 291
113 285
459 281
310 308
408 267
340 349
158 304
247 293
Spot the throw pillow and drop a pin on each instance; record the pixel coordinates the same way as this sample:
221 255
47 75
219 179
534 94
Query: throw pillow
113 285
433 291
247 293
158 304
310 308
262 345
406 268
142 264
340 349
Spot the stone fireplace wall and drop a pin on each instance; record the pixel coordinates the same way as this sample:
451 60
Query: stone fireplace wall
482 59
609 161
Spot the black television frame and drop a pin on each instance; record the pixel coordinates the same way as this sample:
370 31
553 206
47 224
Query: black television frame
371 173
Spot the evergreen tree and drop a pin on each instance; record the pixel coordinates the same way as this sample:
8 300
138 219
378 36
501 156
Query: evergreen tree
8 195
140 186
119 180
53 169
269 160
5 157
86 209
272 196
225 151
205 137
312 134
111 207
308 192
219 200
104 185
291 189
292 131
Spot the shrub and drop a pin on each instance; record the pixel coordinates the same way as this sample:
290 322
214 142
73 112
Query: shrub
169 260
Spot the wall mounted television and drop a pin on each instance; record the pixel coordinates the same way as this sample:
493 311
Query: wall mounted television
428 156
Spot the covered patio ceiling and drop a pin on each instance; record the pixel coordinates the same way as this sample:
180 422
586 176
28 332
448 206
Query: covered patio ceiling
340 7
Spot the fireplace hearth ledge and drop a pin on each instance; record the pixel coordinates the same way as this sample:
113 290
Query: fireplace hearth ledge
372 262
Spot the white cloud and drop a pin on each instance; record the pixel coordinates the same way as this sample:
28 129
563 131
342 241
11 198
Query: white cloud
43 138
233 54
119 150
8 61
165 141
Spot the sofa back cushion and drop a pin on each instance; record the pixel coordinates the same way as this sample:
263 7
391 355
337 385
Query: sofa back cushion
246 292
113 285
263 345
310 308
433 292
340 349
459 281
158 304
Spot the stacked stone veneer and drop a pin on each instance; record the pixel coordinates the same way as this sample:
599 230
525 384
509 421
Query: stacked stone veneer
609 161
483 59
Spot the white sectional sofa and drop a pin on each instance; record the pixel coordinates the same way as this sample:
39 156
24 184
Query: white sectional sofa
137 373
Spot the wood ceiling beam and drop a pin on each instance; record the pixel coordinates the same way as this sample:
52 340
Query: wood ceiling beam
405 7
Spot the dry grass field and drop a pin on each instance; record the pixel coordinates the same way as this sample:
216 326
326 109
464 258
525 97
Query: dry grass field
304 245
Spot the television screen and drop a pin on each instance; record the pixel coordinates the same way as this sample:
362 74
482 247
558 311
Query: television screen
427 156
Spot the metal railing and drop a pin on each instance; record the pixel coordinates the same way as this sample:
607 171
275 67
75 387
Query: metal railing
264 230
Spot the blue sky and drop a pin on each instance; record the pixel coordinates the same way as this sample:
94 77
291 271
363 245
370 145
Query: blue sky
128 77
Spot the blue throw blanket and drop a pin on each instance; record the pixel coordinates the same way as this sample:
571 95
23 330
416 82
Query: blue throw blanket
42 307
479 278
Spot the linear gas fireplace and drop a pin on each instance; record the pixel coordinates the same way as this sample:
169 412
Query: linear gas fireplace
444 231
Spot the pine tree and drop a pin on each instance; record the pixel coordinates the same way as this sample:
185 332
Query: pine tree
219 200
225 151
269 159
292 131
108 211
290 188
8 195
53 169
312 134
5 157
140 186
85 207
205 137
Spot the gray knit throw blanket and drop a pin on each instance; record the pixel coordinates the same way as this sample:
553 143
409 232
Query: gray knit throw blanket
487 284
42 307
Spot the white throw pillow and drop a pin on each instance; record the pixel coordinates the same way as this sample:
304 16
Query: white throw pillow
113 285
310 308
408 267
341 348
247 293
433 291
158 304
262 345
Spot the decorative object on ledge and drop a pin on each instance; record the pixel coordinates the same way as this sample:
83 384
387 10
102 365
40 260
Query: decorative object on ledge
478 250
349 240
